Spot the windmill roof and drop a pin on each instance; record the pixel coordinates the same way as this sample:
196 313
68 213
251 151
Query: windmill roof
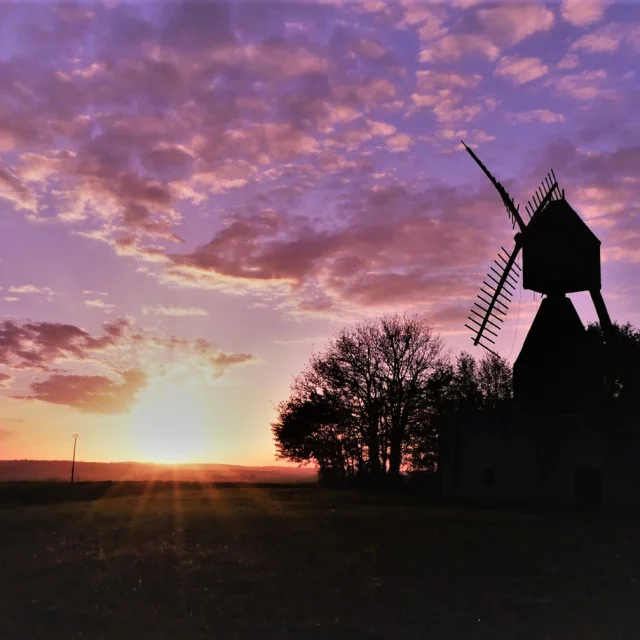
559 217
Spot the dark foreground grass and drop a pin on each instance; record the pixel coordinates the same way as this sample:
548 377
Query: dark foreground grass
254 563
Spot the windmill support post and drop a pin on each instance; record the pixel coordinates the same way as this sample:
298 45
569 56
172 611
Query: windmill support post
603 314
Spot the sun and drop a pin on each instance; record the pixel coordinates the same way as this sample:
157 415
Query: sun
171 423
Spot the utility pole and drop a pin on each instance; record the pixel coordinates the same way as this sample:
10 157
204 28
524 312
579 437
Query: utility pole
73 464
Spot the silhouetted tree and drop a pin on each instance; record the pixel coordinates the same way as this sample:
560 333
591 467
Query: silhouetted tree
495 380
410 354
618 365
466 393
369 404
374 376
461 385
307 430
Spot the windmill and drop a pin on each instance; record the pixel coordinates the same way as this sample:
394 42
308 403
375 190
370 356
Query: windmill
560 255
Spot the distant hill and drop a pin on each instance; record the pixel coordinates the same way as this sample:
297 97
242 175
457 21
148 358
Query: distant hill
120 471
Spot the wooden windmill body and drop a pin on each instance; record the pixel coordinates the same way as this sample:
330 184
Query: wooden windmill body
560 255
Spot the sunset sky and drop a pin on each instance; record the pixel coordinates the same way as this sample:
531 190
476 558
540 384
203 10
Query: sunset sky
194 196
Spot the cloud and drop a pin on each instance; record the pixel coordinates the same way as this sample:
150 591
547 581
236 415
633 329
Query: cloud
451 48
89 393
431 22
204 114
601 186
212 113
569 61
520 70
537 115
429 80
6 380
399 142
381 128
161 310
509 24
38 345
157 353
427 19
12 189
31 288
90 292
386 231
443 92
129 356
279 59
99 304
584 85
582 13
607 39
447 106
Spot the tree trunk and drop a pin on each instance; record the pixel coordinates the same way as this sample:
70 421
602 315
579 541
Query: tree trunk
395 458
374 453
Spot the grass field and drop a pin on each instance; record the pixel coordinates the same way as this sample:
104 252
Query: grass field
204 562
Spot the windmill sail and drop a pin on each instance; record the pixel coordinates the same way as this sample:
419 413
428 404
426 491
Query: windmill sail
549 190
495 296
512 210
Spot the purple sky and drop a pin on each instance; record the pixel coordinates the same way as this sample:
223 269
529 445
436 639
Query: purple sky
194 196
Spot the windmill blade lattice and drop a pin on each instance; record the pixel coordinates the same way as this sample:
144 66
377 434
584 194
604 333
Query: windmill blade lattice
500 286
548 190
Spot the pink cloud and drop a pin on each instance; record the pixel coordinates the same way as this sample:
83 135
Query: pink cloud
252 103
31 288
451 48
584 12
509 24
162 310
99 304
569 61
431 23
38 345
520 70
537 115
5 380
381 128
607 39
279 59
89 393
443 92
428 80
584 85
12 189
388 235
399 142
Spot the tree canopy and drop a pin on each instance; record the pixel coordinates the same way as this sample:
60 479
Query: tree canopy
618 367
367 405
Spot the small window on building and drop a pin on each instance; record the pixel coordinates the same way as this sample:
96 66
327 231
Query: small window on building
489 477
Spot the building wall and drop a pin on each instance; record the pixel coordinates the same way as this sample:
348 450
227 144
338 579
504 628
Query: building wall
513 456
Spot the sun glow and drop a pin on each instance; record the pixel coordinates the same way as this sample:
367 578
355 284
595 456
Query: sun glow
172 423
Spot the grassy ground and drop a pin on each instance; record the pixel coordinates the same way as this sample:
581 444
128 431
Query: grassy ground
260 563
